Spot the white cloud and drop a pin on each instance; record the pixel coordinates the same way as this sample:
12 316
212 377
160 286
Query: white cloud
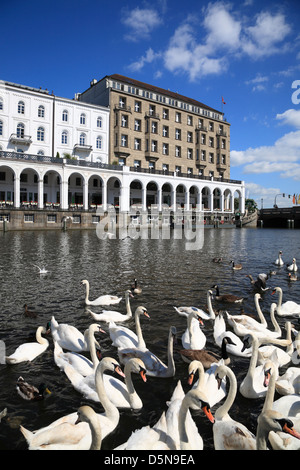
148 58
262 195
141 22
290 117
223 29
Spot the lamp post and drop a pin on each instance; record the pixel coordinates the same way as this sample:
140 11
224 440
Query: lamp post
283 195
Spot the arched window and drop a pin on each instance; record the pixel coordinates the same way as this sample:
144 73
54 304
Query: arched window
41 152
64 137
65 115
82 119
41 134
1 127
82 138
99 142
99 121
20 130
21 107
41 111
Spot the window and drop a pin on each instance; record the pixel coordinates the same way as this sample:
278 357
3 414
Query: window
203 140
41 134
151 110
99 121
177 151
203 155
99 142
211 126
29 218
78 181
223 144
137 144
165 149
41 111
65 115
153 146
42 153
190 120
211 142
64 137
2 175
190 171
51 218
165 113
1 128
190 154
20 130
82 119
178 117
122 102
177 134
137 163
82 138
165 167
21 107
124 141
121 161
211 158
190 137
154 127
137 106
1 104
165 131
137 125
124 121
178 169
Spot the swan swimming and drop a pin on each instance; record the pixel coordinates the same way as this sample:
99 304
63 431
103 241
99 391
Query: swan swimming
112 315
102 300
29 351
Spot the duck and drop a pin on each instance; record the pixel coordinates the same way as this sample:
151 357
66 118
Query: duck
112 315
217 260
207 382
227 298
236 347
193 337
81 363
292 277
279 260
29 351
29 313
289 308
272 425
260 283
86 414
206 357
64 434
99 301
155 367
236 267
69 337
31 392
229 434
121 395
293 267
123 337
135 288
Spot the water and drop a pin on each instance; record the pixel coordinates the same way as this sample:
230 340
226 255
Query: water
169 275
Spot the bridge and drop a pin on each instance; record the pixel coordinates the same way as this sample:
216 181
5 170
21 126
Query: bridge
279 217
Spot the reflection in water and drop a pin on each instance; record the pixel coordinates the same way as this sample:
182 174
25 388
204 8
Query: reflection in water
170 276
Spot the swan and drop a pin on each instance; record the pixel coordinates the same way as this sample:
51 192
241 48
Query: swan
64 434
87 414
275 354
29 313
154 366
135 288
29 351
121 395
271 424
185 311
279 260
81 363
246 322
289 308
69 337
293 267
253 385
123 337
220 332
193 337
251 326
31 392
208 357
289 382
207 382
227 298
112 315
229 434
102 300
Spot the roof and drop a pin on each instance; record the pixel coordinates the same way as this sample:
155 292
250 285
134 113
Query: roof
162 91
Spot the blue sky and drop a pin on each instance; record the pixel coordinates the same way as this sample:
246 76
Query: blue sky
246 51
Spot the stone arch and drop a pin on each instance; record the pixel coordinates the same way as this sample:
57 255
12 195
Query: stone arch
206 193
114 185
29 179
95 190
7 178
52 180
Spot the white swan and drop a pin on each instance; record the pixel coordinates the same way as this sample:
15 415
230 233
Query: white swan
207 382
154 366
236 346
289 382
81 363
279 260
41 270
121 395
230 434
123 337
243 327
29 351
87 414
293 267
102 300
289 308
64 434
185 311
112 315
69 337
273 425
193 337
275 354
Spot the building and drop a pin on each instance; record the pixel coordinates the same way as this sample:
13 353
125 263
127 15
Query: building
120 143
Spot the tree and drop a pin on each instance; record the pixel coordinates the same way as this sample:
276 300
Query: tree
251 205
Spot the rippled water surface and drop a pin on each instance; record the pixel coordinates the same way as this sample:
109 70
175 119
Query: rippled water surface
170 276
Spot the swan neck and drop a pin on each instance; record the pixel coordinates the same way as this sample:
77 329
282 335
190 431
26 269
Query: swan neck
224 409
171 362
139 333
92 347
96 434
277 328
182 424
40 339
210 309
87 292
109 408
128 380
259 312
128 307
254 356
